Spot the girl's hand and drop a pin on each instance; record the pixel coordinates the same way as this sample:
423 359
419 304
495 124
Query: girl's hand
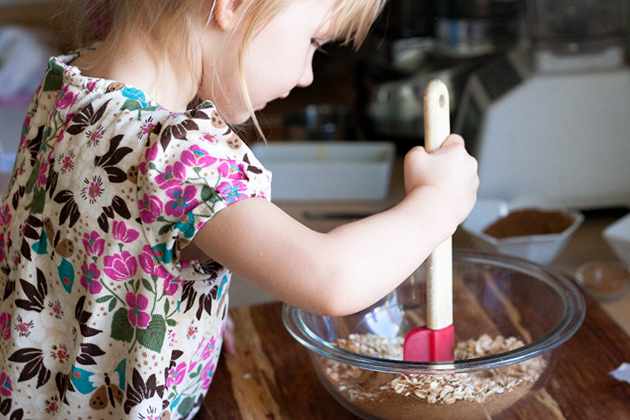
449 170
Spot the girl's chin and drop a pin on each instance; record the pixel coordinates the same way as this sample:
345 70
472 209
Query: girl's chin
242 117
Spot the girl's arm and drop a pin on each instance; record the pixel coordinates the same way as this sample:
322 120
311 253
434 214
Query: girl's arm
354 265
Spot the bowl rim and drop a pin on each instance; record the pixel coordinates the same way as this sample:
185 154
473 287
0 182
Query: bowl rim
578 218
616 229
575 310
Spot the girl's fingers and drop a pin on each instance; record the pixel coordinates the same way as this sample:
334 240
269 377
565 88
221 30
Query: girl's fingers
453 139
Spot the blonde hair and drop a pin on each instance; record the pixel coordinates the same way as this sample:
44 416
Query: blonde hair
169 24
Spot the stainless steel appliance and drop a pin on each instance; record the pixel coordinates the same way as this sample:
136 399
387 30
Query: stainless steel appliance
553 119
466 34
468 28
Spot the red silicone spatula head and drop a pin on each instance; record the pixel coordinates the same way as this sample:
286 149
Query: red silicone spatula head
435 341
426 345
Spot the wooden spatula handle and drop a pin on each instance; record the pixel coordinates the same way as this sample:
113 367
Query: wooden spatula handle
437 128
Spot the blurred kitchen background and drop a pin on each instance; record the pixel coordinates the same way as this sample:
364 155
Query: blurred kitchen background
540 90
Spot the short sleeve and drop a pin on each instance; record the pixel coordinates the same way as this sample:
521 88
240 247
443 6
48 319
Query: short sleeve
194 165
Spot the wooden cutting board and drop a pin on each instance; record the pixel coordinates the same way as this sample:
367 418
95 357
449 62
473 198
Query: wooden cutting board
271 376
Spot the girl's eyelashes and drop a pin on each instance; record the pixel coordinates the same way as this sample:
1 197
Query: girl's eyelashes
318 46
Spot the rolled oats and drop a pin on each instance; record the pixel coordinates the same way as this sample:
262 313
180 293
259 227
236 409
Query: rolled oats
434 389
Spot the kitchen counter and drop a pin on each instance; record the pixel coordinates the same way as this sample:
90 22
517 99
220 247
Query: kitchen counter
271 376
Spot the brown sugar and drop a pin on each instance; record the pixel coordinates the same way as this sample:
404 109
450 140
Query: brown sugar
529 222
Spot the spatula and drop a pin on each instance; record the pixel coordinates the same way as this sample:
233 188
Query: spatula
435 341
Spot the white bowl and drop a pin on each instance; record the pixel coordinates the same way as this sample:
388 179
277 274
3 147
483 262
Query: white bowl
328 170
617 236
541 249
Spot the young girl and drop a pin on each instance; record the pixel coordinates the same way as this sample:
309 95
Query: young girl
127 211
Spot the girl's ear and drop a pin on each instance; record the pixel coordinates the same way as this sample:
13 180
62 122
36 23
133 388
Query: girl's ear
224 13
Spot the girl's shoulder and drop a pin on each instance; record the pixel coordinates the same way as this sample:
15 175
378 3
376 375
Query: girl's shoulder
202 124
126 109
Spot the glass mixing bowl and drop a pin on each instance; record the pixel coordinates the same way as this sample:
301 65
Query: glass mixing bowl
510 317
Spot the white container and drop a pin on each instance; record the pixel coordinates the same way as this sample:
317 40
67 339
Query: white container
328 170
617 236
541 249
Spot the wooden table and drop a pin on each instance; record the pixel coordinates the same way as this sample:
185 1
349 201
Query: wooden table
271 376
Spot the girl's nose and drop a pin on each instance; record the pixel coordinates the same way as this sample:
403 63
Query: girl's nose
307 76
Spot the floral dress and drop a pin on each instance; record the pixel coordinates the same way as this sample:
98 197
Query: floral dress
99 318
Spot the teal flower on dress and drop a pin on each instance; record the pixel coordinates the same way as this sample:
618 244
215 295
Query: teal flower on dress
232 191
66 274
224 281
162 253
133 93
6 387
186 225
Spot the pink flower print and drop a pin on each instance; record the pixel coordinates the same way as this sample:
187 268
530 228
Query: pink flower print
55 309
120 266
231 191
6 387
90 86
60 353
176 375
42 178
206 375
62 132
196 156
24 328
25 127
90 277
209 137
93 189
65 99
192 331
93 244
66 162
171 284
207 351
147 128
171 338
20 169
150 208
122 234
52 405
232 170
183 200
5 215
5 325
172 176
138 303
150 264
149 155
95 136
